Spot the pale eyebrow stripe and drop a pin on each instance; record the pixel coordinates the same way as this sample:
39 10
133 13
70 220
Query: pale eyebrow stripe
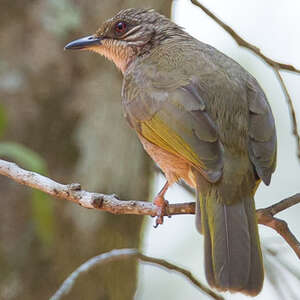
133 30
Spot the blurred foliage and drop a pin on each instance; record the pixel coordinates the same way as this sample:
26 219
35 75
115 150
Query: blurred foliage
24 156
51 102
43 217
62 16
10 79
3 120
42 206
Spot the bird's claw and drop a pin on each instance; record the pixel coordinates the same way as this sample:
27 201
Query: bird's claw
162 210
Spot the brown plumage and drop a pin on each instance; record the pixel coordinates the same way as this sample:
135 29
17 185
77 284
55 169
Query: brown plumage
203 119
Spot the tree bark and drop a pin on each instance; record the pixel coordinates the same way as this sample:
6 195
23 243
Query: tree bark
66 107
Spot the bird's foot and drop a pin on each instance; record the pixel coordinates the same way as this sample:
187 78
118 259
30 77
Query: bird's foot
162 209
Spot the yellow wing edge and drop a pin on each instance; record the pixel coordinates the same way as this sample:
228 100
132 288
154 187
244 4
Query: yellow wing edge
158 133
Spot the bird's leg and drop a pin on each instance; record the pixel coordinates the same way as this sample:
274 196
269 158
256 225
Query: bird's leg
162 205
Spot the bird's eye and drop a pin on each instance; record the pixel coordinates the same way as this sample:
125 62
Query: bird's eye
120 27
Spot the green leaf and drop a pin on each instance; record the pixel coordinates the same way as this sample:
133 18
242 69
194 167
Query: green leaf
3 120
41 204
24 156
43 217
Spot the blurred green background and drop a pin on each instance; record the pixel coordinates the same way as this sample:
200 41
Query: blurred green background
60 115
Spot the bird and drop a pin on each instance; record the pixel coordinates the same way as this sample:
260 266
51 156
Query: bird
203 119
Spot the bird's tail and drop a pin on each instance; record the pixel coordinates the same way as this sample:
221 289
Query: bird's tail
233 258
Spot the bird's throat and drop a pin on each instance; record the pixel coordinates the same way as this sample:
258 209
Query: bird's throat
119 54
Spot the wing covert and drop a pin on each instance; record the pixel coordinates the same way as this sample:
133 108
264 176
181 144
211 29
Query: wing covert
176 120
262 134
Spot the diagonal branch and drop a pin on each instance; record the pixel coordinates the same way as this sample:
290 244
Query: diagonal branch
291 108
243 43
112 204
265 216
277 66
124 253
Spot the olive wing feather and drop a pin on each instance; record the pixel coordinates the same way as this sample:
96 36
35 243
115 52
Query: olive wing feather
176 120
262 134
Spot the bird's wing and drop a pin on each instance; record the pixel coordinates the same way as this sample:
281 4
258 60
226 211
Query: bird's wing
262 134
176 120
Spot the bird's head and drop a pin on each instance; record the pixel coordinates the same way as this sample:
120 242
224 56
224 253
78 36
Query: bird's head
129 34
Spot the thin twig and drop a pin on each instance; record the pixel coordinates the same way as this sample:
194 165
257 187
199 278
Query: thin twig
112 204
283 204
243 43
125 253
85 267
272 63
265 216
184 272
291 108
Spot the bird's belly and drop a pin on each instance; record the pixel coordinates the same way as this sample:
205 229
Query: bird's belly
174 167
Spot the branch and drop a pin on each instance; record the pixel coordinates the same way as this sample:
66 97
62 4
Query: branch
73 192
265 216
124 253
112 204
277 66
243 43
291 109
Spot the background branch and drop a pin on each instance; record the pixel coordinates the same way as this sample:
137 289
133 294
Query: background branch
125 253
291 109
266 217
112 204
243 43
277 66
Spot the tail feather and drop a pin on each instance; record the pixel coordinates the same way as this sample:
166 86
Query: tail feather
233 258
256 276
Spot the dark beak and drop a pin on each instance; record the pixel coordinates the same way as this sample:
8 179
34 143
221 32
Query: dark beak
84 42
